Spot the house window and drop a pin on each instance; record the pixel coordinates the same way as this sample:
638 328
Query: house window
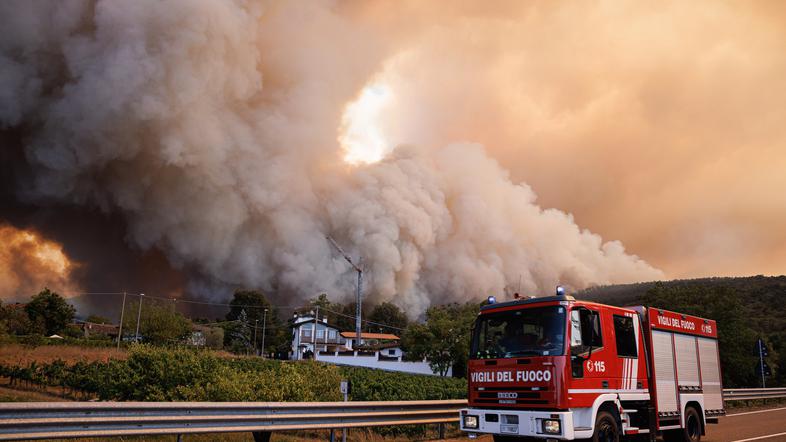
625 337
332 334
320 334
392 352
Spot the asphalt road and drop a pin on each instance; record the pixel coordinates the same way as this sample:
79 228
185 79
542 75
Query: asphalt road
739 426
764 425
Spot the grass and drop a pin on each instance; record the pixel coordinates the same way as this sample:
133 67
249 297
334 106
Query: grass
759 404
35 394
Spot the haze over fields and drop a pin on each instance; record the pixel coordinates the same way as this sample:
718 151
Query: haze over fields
190 147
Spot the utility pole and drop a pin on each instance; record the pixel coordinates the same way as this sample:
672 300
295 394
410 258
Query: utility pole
256 325
122 313
358 301
264 321
761 349
138 317
316 325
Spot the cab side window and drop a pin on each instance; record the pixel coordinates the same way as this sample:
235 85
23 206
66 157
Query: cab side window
597 335
585 338
625 336
585 331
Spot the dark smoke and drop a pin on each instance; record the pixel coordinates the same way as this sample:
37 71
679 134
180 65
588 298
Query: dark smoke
206 132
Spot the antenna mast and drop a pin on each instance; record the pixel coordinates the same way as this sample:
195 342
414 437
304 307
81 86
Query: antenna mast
359 289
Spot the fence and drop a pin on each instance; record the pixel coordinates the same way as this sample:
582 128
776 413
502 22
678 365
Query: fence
37 420
32 420
746 394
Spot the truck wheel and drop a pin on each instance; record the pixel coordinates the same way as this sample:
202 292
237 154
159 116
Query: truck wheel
692 430
606 428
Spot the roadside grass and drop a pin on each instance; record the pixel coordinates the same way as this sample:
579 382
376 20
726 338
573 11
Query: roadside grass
759 404
29 394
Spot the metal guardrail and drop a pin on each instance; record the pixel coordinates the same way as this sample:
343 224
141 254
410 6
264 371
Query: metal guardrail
747 394
32 420
38 420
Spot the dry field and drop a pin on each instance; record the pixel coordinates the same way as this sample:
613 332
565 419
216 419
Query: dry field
16 354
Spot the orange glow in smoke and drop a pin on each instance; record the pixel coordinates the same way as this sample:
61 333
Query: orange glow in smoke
361 134
29 263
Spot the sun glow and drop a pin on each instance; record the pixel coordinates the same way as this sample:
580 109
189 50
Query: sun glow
361 135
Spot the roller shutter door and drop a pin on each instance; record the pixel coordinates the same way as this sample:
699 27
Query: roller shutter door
710 374
663 361
687 364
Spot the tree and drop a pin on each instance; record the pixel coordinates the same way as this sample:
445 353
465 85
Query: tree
96 319
159 324
341 316
389 314
3 322
254 303
214 338
723 304
444 338
15 320
49 312
239 333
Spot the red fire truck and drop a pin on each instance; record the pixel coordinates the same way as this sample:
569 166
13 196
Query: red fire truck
559 368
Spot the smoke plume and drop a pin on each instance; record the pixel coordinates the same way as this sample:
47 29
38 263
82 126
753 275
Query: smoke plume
28 263
212 127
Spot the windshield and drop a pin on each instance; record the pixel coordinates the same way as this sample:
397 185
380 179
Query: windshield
527 332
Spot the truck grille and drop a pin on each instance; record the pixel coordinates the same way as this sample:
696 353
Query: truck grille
493 395
524 395
511 401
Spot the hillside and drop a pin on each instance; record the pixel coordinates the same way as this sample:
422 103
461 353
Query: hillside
746 308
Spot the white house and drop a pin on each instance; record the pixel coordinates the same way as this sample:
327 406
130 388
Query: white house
316 339
310 336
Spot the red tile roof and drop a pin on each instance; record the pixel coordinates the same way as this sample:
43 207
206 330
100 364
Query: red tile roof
380 336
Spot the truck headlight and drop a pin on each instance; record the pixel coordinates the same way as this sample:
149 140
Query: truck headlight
470 421
551 426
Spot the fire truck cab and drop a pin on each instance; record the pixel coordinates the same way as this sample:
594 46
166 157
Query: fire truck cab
561 369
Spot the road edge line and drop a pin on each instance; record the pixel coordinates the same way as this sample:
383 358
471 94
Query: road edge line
760 437
754 412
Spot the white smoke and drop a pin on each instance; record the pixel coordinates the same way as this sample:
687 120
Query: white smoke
212 126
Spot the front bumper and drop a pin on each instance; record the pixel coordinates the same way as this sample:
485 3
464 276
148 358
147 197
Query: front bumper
518 423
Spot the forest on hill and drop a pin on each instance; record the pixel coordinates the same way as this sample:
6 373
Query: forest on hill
746 309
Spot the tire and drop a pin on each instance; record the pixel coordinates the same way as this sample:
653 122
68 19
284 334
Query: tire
606 428
692 430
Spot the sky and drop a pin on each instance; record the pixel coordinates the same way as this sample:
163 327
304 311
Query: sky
459 148
661 125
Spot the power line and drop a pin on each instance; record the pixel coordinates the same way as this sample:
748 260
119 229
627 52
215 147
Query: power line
364 320
219 323
258 306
